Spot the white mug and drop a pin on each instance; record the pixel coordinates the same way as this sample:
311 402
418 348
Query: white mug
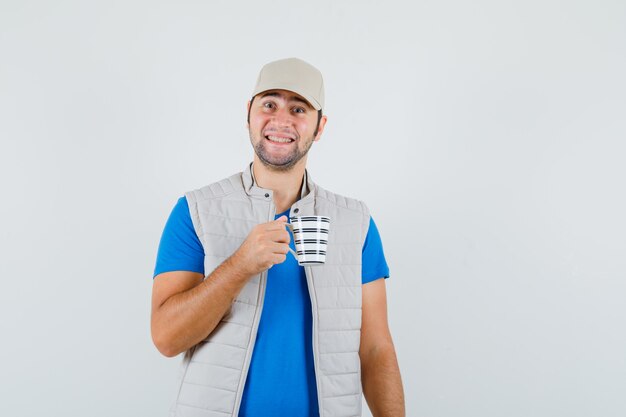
310 237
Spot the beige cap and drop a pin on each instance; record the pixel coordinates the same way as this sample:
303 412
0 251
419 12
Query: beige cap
295 75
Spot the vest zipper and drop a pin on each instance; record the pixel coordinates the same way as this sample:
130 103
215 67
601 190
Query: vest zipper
255 328
309 282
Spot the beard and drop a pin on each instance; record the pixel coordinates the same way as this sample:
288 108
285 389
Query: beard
280 162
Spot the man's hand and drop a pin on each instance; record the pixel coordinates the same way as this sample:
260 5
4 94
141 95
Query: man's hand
186 308
266 245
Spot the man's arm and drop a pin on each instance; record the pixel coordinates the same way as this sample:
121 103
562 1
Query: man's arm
380 374
185 309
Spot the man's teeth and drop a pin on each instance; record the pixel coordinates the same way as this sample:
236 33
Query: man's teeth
279 139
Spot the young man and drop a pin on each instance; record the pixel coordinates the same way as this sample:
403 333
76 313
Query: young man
262 335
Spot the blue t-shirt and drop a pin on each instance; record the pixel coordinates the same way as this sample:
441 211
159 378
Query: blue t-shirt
281 378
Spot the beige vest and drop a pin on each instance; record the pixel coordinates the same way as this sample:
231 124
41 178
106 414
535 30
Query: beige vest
213 373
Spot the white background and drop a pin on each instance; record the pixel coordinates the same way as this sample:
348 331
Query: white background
487 138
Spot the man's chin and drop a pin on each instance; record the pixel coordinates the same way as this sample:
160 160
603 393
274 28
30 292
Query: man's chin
281 166
278 164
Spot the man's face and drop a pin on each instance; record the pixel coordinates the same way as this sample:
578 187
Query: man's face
282 126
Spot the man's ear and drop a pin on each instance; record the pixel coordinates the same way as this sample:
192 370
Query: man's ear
320 129
248 114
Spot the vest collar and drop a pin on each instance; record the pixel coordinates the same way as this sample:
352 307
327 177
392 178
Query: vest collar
307 192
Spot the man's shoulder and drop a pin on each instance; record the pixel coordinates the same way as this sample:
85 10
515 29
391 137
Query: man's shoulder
341 201
345 210
222 188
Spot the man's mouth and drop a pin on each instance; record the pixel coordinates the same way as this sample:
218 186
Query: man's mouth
278 139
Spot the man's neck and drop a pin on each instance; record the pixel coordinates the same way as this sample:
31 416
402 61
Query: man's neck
286 185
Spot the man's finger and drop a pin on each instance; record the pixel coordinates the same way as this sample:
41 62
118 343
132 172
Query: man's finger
277 224
280 236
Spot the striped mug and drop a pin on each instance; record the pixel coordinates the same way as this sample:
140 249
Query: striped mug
310 237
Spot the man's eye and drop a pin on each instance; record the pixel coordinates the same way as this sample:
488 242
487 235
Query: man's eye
299 110
268 105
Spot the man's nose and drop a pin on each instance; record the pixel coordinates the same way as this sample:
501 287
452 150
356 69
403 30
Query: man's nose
282 117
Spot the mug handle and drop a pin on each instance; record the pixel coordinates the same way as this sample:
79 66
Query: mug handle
290 227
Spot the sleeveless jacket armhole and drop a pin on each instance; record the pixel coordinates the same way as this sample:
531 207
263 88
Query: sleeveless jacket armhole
193 213
365 222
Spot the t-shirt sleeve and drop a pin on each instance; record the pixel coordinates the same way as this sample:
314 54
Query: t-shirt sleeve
374 265
180 248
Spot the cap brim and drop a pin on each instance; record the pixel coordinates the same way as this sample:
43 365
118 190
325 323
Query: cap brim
309 98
